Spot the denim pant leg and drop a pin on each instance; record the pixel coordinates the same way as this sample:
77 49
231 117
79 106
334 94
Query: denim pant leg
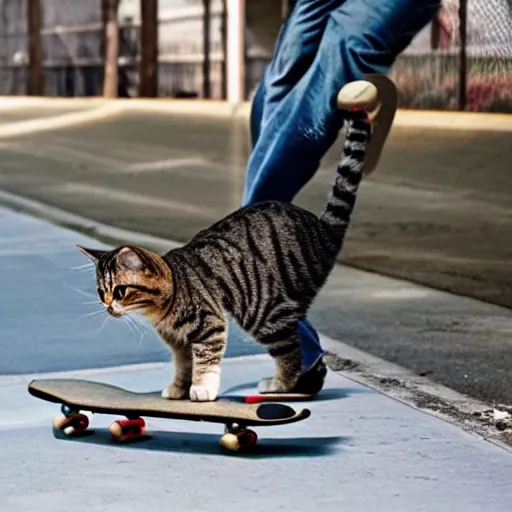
294 51
299 118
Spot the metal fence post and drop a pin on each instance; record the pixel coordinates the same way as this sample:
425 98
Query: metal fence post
463 63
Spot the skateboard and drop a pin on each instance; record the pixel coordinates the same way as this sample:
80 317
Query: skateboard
377 94
76 396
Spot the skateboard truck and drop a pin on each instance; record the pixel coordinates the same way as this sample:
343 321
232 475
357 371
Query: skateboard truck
70 421
237 438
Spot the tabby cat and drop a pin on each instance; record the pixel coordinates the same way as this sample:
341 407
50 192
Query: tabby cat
262 265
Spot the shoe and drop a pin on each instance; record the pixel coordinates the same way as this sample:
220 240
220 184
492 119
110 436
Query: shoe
312 381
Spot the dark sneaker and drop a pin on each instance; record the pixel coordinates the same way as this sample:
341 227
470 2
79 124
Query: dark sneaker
312 381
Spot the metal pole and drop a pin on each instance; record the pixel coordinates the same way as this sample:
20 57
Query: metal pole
148 68
35 85
463 64
206 49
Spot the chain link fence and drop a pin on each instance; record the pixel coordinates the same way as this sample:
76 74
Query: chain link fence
463 60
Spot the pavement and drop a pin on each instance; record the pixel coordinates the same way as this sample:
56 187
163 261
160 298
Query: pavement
437 212
362 449
51 317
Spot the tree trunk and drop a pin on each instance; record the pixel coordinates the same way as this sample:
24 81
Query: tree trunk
35 85
148 70
111 48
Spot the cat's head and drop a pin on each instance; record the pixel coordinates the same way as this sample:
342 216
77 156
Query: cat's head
131 279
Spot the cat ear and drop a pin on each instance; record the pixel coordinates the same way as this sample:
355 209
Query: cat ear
128 259
93 254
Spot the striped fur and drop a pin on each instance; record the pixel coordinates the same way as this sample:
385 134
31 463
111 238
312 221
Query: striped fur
262 265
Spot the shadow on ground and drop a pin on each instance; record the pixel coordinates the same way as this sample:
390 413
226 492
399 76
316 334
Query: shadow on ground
208 444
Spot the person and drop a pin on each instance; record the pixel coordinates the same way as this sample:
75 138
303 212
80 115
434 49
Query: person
323 45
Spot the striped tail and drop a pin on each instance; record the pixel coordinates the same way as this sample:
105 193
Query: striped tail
340 204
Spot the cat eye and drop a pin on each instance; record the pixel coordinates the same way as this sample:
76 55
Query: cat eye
119 292
101 294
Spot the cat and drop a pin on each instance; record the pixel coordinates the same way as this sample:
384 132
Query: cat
262 265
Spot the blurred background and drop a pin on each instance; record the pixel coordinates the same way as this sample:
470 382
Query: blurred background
182 48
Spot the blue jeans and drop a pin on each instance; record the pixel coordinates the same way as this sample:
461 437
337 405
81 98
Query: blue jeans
323 45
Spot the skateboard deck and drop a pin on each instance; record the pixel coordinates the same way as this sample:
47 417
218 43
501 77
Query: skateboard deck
378 95
77 395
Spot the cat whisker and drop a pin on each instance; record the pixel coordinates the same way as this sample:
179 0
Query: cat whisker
96 312
128 324
82 292
91 302
136 326
81 268
141 322
139 326
102 325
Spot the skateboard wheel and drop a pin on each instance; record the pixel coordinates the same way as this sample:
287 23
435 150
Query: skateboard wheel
70 424
122 430
230 442
239 441
358 95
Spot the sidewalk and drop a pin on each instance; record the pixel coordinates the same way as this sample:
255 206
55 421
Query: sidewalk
359 451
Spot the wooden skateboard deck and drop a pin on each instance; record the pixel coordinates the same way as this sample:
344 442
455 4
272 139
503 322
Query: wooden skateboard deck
388 103
377 94
77 395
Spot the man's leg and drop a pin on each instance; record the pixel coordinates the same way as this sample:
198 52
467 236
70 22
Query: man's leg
294 51
300 122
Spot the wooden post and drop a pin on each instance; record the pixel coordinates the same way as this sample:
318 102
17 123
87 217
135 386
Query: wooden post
35 83
223 30
148 70
206 49
235 40
111 52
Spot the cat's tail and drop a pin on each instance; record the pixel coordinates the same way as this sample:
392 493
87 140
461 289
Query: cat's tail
360 100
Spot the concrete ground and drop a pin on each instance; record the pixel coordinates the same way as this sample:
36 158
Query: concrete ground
437 211
360 449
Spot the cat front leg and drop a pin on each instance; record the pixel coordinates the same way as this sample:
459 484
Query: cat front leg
208 346
180 386
284 346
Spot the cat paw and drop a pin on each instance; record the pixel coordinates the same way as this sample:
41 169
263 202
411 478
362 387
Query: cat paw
173 392
272 385
207 390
